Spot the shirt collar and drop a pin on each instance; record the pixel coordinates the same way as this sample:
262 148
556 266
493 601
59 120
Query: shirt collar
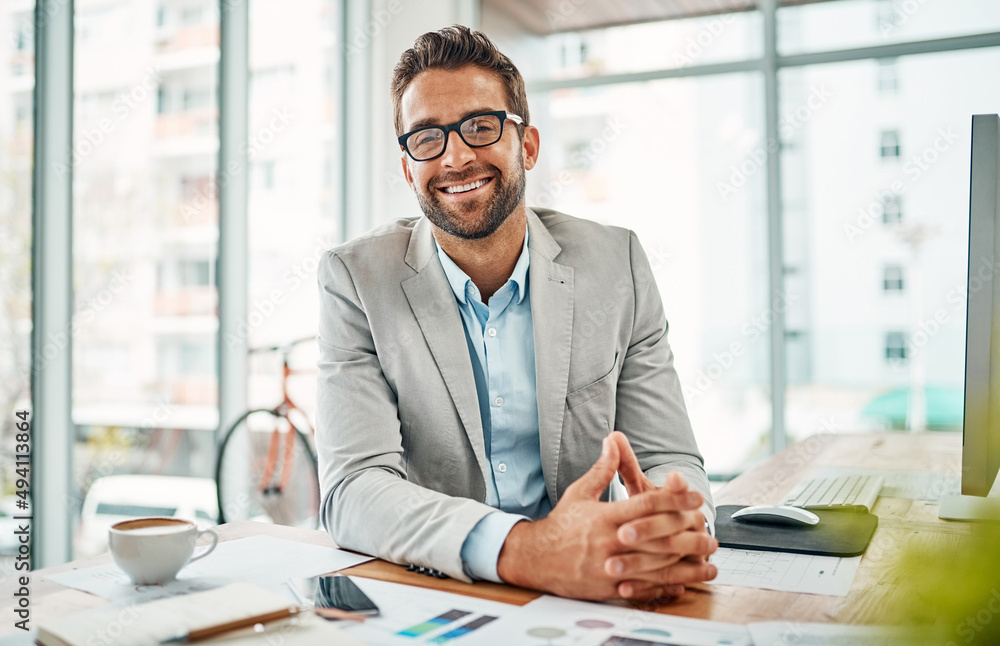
459 280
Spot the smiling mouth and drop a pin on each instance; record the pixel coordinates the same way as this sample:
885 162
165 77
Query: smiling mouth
465 188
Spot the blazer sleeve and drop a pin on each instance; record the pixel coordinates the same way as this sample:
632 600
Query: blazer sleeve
367 504
649 402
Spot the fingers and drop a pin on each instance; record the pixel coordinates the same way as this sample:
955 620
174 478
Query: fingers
666 498
628 468
677 574
675 482
645 591
635 565
592 484
691 547
659 526
693 541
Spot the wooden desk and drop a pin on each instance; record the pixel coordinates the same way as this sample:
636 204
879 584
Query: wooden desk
900 521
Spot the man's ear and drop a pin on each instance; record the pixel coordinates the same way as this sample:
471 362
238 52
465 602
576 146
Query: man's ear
406 170
529 146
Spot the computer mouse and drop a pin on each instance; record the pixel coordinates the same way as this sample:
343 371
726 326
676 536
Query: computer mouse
776 515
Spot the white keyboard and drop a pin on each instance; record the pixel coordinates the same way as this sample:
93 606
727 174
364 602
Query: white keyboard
851 492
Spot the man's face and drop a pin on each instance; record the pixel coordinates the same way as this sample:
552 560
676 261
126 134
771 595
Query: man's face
440 97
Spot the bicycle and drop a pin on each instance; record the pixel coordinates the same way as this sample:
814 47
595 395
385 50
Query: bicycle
266 467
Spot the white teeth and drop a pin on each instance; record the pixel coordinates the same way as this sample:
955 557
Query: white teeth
465 187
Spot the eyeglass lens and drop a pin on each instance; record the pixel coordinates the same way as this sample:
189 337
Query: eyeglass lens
481 130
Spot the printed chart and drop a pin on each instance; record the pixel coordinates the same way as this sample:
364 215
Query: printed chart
553 621
785 571
413 616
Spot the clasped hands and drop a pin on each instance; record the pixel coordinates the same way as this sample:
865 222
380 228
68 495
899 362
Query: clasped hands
643 548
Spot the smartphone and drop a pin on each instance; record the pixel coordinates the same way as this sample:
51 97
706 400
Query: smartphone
333 591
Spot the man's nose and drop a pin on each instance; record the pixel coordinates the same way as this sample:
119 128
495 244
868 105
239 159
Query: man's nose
457 153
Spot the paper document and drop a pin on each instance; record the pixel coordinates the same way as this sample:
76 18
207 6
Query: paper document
150 624
803 634
554 621
412 616
785 571
264 560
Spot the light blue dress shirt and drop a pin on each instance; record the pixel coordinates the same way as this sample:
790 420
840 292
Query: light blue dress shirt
502 348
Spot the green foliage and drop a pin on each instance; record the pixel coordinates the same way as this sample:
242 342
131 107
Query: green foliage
954 590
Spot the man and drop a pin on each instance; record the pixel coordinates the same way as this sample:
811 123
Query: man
475 362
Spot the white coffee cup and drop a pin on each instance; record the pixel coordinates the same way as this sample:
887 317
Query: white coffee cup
153 550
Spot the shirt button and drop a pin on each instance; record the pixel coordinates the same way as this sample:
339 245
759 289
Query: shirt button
492 331
502 468
498 401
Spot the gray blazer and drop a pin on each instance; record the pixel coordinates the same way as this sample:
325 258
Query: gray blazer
399 437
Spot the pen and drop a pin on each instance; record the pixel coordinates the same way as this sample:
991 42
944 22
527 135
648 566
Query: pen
211 631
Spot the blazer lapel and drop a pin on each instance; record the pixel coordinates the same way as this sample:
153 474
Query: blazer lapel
433 304
551 289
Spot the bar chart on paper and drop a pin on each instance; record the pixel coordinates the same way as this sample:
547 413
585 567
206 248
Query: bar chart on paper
454 618
414 616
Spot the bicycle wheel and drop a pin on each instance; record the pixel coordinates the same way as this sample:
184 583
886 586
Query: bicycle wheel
266 471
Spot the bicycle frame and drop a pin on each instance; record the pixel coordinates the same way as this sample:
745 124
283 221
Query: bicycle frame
283 409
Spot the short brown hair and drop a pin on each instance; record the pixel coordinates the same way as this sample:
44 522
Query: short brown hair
449 49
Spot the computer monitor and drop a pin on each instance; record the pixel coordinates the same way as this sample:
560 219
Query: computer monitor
980 499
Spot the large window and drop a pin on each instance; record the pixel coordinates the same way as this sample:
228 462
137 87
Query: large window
844 192
664 126
17 57
686 168
679 162
293 211
844 24
145 236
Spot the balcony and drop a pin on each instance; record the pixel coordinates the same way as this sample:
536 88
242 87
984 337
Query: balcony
186 38
200 122
200 211
187 133
188 391
189 301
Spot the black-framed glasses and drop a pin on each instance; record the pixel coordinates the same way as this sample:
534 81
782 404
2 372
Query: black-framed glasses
477 131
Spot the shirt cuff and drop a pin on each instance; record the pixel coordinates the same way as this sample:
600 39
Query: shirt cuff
481 549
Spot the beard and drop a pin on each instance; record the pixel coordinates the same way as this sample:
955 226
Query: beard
473 221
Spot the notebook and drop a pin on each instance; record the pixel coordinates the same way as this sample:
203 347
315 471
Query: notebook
151 623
